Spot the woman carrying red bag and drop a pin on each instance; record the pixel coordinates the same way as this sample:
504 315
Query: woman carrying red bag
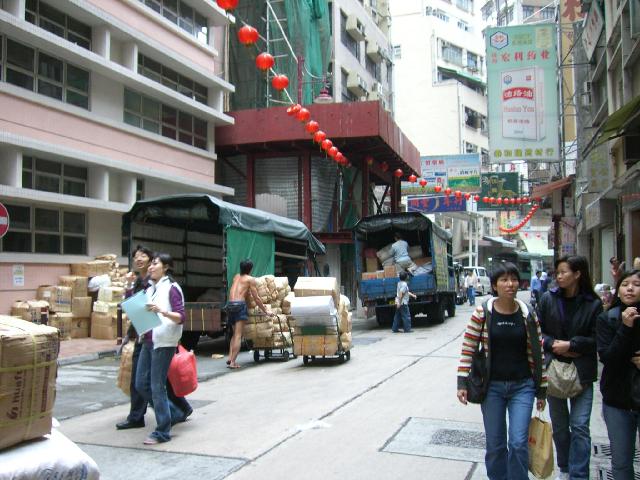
165 298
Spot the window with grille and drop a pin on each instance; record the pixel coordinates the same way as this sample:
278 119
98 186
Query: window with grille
466 5
441 15
45 230
37 71
151 115
347 40
54 177
470 148
451 53
183 15
172 79
53 20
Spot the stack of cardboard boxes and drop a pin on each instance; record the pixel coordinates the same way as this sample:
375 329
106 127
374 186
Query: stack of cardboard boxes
374 259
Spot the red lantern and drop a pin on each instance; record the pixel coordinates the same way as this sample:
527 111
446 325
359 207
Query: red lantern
339 158
326 145
467 196
248 35
227 4
303 115
447 191
512 201
292 110
437 188
423 182
333 151
398 173
485 199
312 127
319 136
458 194
265 61
280 82
505 201
492 200
499 201
525 199
369 160
477 198
538 199
413 178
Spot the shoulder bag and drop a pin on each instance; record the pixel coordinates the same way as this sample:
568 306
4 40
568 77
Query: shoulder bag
477 380
563 378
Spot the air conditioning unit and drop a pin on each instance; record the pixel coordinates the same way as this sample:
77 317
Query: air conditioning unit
355 28
428 11
374 52
586 87
356 84
373 96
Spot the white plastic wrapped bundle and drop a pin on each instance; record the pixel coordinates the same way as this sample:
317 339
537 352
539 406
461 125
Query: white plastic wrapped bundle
312 306
384 253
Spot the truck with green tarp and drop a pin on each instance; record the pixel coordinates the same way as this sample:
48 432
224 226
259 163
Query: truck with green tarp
433 282
208 238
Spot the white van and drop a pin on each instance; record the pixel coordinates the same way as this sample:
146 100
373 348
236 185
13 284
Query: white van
484 283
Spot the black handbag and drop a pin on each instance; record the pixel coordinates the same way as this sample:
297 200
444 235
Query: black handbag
477 381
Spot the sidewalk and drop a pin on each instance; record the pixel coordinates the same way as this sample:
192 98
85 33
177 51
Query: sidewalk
77 350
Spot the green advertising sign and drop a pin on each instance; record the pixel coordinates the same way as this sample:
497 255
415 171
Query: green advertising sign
498 185
522 91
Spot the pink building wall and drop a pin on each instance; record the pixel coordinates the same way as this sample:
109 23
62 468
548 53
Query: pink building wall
28 119
137 20
35 274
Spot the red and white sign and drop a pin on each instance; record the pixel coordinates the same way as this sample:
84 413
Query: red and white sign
4 220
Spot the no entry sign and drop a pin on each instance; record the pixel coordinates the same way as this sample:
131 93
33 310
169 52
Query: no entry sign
4 220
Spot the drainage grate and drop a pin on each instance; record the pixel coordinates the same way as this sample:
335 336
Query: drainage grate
458 438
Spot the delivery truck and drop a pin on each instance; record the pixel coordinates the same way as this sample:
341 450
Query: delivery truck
433 279
208 238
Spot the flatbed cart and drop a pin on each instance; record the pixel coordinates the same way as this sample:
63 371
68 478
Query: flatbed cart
269 351
321 330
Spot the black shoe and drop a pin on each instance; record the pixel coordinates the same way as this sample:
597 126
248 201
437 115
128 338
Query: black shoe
129 424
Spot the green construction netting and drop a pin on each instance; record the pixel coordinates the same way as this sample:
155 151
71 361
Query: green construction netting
306 31
259 247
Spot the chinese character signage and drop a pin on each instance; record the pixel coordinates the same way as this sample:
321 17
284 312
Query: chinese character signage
498 185
458 172
592 29
433 204
522 84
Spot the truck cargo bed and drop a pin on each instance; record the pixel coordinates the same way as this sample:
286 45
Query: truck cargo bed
386 287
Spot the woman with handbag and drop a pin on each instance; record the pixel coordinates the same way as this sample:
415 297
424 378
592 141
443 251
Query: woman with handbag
618 338
504 336
165 298
568 317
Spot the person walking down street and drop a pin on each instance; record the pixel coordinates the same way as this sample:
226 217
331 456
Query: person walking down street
402 305
511 338
536 287
242 288
568 317
471 284
400 251
618 339
165 299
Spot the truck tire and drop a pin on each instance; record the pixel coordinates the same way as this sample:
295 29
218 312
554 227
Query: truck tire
437 312
384 316
451 308
189 340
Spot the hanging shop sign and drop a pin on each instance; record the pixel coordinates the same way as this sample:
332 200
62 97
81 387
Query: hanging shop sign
591 29
522 90
504 185
458 172
436 204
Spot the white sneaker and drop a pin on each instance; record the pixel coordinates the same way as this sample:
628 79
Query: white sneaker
562 476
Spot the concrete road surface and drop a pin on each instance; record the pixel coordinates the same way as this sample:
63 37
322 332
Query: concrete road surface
389 413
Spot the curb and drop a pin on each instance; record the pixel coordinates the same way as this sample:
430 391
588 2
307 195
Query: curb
87 357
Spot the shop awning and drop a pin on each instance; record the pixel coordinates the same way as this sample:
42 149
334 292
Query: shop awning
548 188
463 75
536 245
620 123
501 241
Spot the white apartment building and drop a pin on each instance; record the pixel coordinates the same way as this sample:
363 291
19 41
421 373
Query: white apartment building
103 102
439 65
362 66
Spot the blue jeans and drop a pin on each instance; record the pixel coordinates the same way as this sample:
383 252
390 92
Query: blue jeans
622 426
508 459
571 434
402 313
471 295
138 402
151 383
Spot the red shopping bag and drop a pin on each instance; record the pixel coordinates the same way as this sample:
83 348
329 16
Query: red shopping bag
183 374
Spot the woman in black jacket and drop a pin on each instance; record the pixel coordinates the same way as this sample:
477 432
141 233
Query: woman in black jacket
619 351
568 317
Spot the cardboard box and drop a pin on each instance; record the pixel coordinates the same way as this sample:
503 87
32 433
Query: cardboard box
106 307
111 294
91 269
369 275
104 319
30 310
44 292
81 306
318 286
78 284
63 322
61 299
80 327
390 272
380 274
319 345
103 326
371 264
28 369
103 332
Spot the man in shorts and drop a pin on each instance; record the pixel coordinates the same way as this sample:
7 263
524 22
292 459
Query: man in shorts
242 288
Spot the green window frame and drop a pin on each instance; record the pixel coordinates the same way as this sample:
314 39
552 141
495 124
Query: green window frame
59 23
